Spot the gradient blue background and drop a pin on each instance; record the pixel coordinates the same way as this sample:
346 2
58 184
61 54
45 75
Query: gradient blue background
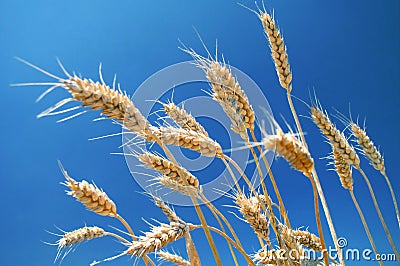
348 51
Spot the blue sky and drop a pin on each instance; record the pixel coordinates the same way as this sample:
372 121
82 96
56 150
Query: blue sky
347 51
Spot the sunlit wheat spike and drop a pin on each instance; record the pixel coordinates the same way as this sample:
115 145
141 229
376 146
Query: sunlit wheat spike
77 236
376 160
188 139
176 259
307 239
336 138
252 212
168 168
171 215
288 146
183 118
343 169
89 195
112 103
178 187
228 93
290 244
98 96
278 50
157 238
369 149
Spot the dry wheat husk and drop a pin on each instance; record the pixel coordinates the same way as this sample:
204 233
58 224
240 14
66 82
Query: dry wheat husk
183 118
89 195
176 259
336 138
291 149
369 149
307 239
112 103
251 210
157 238
278 50
168 168
228 93
187 139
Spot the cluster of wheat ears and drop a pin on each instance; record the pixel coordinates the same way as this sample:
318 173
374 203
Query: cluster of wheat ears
281 244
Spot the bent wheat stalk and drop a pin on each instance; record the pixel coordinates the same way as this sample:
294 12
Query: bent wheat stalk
378 211
93 198
282 66
375 158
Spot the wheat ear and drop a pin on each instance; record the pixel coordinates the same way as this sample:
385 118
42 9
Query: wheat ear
115 104
290 244
93 198
307 239
157 238
251 210
187 139
278 50
282 66
228 93
176 259
77 236
375 158
336 138
343 169
183 118
168 168
233 100
291 149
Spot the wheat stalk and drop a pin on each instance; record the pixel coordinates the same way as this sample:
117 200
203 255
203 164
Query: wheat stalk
375 158
176 259
370 150
187 139
168 168
290 244
77 236
278 50
157 238
343 169
90 196
183 118
171 215
228 93
251 210
307 239
336 138
291 149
